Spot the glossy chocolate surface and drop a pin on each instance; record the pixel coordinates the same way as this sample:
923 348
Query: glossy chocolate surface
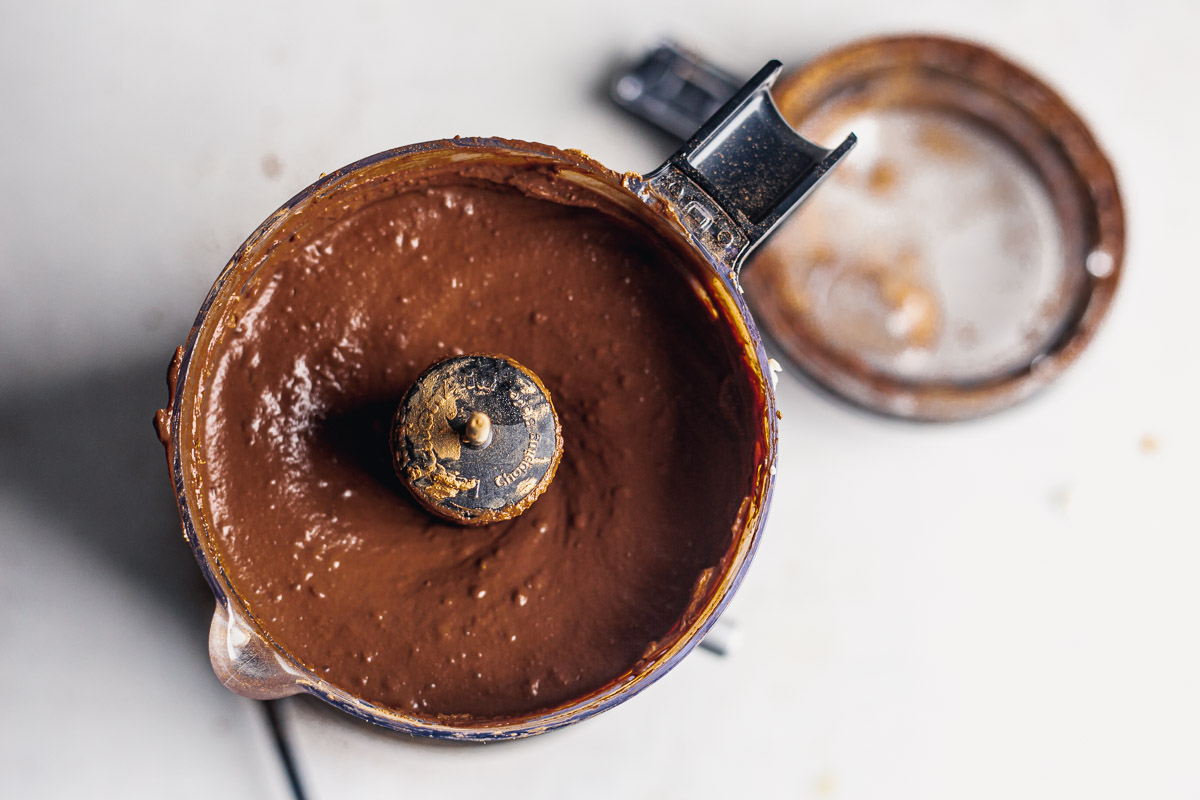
342 568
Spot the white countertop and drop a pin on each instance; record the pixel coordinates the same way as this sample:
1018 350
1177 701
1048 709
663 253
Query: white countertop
1005 608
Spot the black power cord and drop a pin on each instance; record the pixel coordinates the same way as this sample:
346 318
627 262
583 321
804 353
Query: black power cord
283 747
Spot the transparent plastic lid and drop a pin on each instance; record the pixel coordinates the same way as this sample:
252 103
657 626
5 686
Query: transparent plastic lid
960 257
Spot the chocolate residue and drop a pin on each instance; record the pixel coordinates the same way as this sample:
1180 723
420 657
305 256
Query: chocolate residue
883 177
272 167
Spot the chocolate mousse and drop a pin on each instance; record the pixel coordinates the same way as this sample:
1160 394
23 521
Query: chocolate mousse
340 566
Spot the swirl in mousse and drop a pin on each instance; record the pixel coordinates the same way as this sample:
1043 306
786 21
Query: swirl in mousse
341 566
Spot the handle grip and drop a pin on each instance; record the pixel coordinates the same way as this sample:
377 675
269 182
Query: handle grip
742 172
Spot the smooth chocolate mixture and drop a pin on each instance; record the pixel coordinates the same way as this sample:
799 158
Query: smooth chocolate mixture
340 564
